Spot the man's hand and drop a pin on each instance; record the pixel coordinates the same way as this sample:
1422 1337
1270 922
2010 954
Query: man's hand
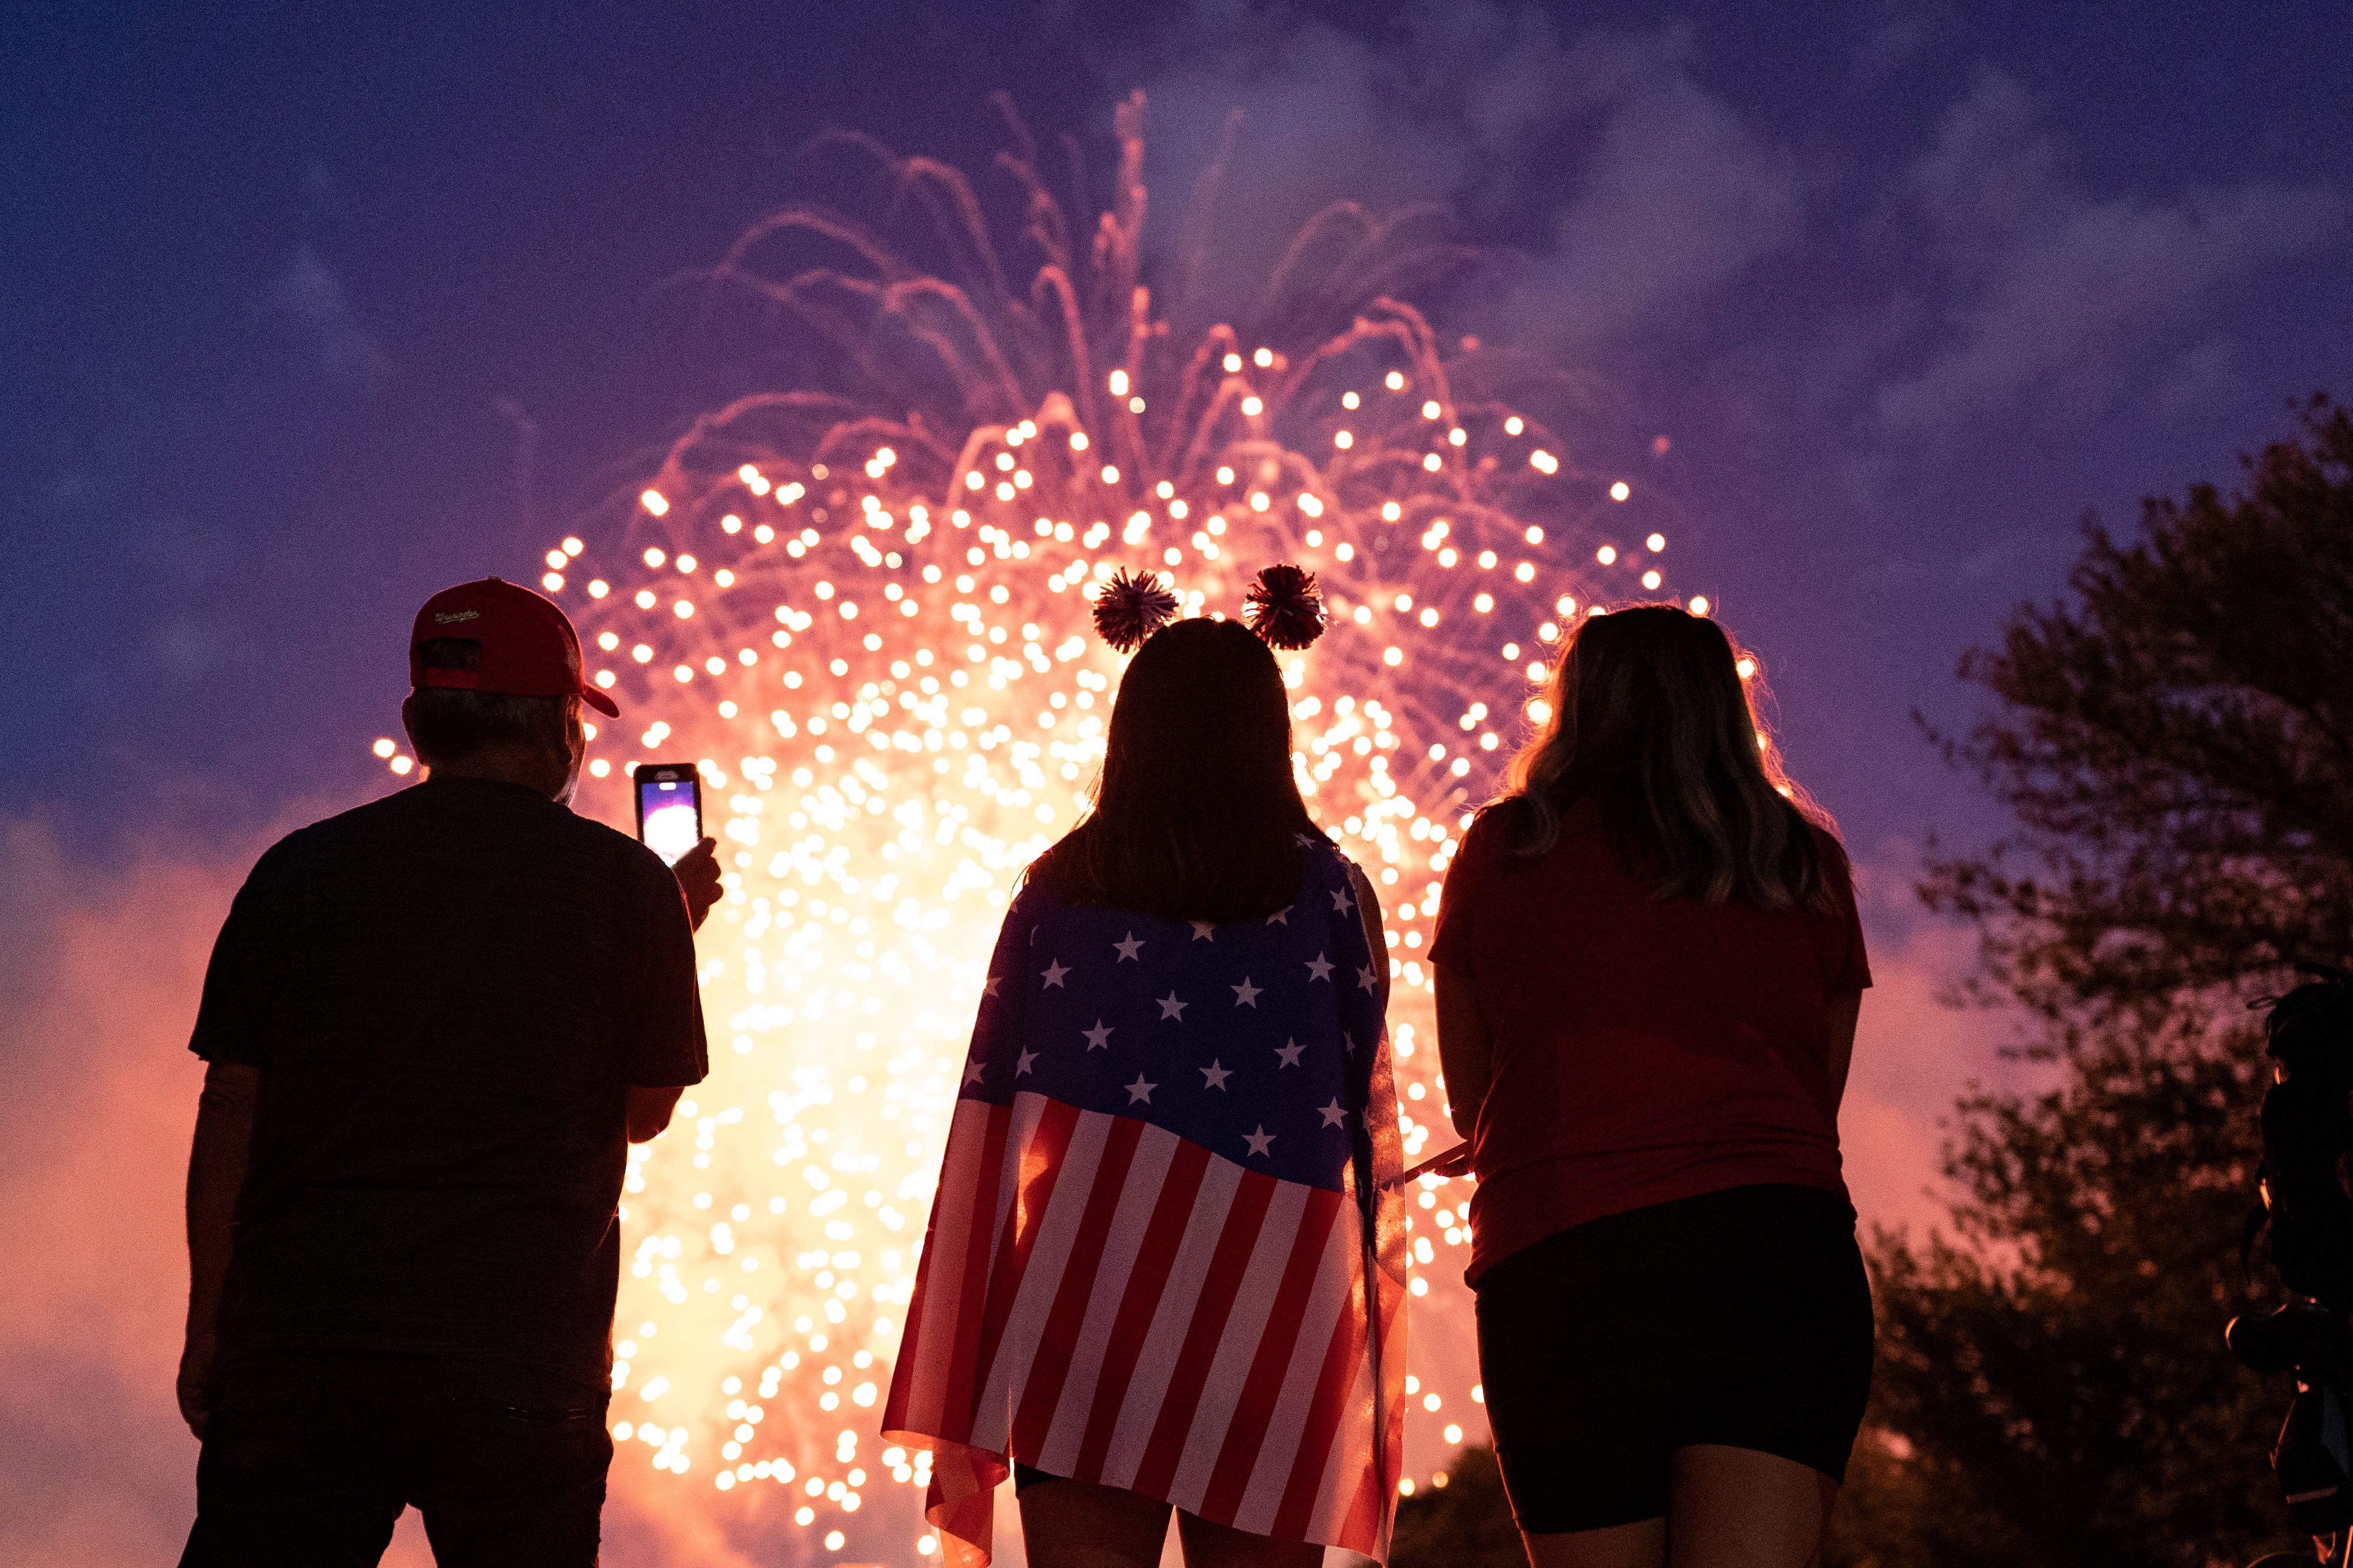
195 1383
698 878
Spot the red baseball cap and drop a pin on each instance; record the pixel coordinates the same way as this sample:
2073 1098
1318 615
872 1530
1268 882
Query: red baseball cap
529 648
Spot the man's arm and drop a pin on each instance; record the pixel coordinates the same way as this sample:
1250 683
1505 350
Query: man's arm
650 1111
217 1163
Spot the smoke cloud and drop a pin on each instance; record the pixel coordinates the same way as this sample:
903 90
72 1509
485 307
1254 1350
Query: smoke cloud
99 977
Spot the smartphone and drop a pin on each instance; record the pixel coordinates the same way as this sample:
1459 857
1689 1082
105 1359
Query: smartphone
669 808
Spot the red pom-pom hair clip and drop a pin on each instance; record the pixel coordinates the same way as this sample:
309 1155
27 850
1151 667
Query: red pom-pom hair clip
1285 607
1130 608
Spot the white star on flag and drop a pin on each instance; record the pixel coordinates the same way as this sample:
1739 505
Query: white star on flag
1319 967
1365 978
1280 917
1288 1052
1214 1076
1098 1037
1141 1091
1027 1057
1258 1140
988 986
1334 1116
1203 930
972 1071
1130 948
1304 841
1246 994
1172 1008
1054 973
1341 903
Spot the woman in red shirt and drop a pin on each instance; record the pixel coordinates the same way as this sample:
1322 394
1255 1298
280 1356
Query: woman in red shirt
1649 969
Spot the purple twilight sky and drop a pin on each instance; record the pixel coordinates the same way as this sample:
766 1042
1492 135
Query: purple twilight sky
310 311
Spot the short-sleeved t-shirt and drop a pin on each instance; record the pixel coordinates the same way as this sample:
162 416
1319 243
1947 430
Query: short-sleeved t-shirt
1644 1049
446 993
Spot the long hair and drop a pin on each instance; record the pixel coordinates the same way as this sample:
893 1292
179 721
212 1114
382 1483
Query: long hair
1648 714
1197 814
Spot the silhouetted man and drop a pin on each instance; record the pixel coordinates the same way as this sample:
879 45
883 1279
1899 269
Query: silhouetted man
433 1024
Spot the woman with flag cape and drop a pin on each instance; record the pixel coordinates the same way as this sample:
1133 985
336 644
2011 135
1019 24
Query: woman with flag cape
1166 1263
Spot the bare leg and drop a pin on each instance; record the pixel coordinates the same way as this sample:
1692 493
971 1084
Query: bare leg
1736 1508
1076 1525
1210 1545
1642 1545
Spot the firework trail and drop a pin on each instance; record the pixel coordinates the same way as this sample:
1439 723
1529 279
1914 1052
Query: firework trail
865 609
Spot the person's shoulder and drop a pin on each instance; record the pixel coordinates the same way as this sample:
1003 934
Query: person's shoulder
624 851
1493 830
1837 869
1318 848
1831 852
645 885
330 835
324 851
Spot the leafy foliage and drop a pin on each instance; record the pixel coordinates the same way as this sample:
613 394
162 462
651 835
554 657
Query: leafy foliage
2178 748
2053 1390
2176 745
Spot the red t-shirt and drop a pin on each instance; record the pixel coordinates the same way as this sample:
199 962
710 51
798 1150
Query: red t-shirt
1644 1049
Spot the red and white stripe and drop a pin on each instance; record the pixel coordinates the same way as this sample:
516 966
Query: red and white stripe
1111 1302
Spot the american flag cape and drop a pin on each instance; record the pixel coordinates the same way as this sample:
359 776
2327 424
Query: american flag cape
1165 1254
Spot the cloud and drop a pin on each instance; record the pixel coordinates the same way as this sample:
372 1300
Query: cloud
97 986
1896 32
2062 294
1677 199
1655 194
312 296
1323 116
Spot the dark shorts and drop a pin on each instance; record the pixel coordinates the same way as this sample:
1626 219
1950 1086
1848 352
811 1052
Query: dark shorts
309 1459
1740 1318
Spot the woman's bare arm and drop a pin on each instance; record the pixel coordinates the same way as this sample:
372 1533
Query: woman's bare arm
1465 1053
1838 1049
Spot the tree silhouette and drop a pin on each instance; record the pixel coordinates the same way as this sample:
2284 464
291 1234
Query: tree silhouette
2176 743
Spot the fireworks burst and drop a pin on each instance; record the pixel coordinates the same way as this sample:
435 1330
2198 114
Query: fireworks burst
866 611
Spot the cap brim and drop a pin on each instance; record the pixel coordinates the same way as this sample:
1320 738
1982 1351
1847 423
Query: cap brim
599 701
